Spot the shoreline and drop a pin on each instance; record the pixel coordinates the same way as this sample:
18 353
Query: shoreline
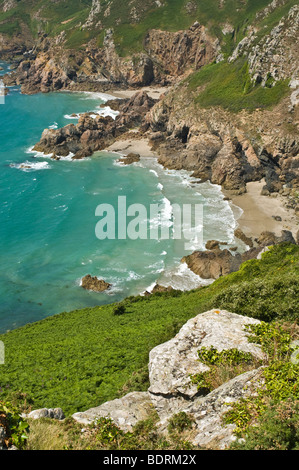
262 213
254 213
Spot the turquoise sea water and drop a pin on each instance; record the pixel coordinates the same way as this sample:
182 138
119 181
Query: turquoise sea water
48 221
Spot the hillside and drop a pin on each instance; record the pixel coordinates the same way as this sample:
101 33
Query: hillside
78 360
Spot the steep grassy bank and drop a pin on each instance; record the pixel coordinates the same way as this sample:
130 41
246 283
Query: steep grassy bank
83 358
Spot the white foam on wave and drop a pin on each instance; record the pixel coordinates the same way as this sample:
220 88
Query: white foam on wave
31 166
95 95
182 278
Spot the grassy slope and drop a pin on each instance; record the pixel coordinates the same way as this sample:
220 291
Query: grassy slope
230 86
80 359
172 16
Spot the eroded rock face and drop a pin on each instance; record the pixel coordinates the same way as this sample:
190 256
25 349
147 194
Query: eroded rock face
177 52
212 264
166 56
207 412
94 284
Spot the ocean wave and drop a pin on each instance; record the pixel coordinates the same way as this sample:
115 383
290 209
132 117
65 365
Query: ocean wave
95 95
29 166
182 278
104 112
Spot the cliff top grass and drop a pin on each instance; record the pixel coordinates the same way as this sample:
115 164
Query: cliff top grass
80 359
230 86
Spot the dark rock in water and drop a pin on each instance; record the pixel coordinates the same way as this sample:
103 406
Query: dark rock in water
241 235
94 284
159 288
92 134
130 158
212 245
212 264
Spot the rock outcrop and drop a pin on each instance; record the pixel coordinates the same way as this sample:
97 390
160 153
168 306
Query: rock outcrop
215 262
94 133
94 284
171 390
211 264
52 413
125 411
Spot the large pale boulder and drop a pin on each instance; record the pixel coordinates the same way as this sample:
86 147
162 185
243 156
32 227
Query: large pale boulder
172 363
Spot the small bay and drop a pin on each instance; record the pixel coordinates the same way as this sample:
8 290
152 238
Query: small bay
48 221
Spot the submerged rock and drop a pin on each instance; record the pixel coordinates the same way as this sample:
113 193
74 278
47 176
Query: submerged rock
130 158
93 283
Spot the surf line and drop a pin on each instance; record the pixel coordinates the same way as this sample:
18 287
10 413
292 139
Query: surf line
175 221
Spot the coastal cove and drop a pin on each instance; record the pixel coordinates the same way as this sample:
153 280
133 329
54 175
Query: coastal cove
48 216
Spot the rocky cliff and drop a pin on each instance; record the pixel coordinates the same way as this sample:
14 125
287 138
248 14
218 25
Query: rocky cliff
166 57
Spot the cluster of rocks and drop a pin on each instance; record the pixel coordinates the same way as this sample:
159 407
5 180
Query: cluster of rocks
215 262
95 133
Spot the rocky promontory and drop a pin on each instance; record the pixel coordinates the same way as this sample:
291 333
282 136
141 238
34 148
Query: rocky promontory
95 133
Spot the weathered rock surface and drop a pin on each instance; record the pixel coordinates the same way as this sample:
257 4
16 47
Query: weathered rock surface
269 238
125 411
94 133
209 430
93 283
172 363
53 413
129 159
212 264
166 56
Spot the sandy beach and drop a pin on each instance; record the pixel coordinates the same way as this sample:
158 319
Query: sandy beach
126 146
259 212
153 92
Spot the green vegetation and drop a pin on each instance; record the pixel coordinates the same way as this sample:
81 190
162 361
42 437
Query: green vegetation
229 85
269 420
16 428
223 366
48 434
81 359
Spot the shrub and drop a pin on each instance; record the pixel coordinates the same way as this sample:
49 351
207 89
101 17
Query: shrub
277 429
15 427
